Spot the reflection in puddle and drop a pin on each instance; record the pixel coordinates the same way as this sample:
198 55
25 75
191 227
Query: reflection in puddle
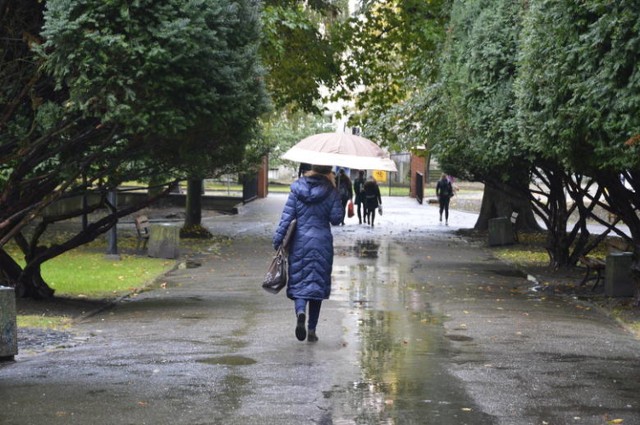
367 248
189 264
228 361
399 340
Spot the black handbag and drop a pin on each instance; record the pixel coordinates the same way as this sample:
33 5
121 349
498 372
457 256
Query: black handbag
276 277
278 272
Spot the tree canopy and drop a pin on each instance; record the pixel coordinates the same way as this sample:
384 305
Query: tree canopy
544 89
391 51
299 52
579 83
578 97
118 91
184 77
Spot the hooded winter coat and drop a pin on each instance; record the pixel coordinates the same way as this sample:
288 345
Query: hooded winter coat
315 203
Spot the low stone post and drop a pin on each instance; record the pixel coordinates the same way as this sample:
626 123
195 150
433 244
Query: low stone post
618 280
164 241
500 231
8 326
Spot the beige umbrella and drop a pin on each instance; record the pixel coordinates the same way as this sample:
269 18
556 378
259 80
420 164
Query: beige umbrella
341 149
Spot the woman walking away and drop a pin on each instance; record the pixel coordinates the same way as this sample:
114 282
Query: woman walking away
346 193
372 199
315 203
358 189
444 192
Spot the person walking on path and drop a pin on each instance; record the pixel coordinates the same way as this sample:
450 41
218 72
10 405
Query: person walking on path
444 192
315 203
358 189
346 193
372 199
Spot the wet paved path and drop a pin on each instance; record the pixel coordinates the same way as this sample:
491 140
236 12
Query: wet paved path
422 328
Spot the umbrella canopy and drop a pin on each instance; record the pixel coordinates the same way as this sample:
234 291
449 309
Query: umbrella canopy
341 149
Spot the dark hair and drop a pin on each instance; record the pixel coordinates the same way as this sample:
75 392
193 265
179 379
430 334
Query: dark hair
321 169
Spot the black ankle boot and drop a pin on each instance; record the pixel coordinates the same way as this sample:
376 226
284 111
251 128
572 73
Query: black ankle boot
301 330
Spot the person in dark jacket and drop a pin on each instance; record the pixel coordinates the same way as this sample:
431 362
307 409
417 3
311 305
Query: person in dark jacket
315 203
444 192
372 198
358 190
345 190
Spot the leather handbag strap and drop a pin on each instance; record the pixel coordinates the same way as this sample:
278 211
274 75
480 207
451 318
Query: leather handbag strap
287 237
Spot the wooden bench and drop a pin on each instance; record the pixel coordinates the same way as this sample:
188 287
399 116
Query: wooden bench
596 266
617 244
592 264
142 228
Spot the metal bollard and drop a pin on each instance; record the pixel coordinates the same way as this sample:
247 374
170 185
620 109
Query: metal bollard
8 326
500 231
618 280
164 241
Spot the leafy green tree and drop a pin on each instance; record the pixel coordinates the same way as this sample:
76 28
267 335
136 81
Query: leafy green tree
299 52
127 91
302 61
391 52
218 91
283 130
473 127
578 96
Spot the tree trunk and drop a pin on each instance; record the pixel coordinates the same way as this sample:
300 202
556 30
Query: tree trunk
28 280
34 285
624 201
29 284
565 242
500 200
193 213
558 243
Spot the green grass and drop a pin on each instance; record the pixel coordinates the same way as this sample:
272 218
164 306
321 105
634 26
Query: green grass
384 190
279 188
88 274
44 322
523 255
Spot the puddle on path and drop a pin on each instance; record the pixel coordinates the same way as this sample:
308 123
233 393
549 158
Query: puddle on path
189 264
228 361
401 343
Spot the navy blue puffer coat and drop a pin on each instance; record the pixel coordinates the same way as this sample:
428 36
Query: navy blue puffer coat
315 203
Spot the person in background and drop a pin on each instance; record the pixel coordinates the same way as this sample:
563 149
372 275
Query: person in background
372 199
346 193
358 189
444 192
315 203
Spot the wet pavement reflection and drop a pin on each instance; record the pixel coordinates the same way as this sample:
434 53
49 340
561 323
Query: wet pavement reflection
401 344
422 327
